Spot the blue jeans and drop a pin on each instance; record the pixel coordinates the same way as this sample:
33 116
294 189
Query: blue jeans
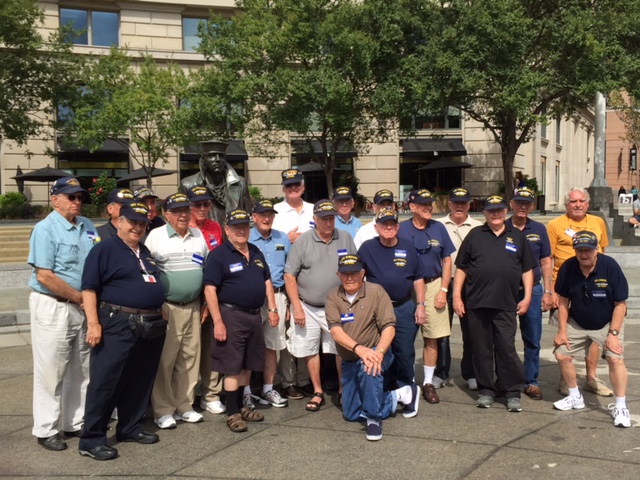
403 346
531 330
363 395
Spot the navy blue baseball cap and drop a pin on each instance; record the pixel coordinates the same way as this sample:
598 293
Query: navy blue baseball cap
459 195
66 185
493 202
198 194
120 195
237 217
264 206
135 211
585 239
524 194
324 208
342 193
422 196
176 200
349 264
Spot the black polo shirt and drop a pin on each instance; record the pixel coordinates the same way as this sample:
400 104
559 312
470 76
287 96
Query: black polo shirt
117 276
107 230
592 298
237 280
494 266
394 268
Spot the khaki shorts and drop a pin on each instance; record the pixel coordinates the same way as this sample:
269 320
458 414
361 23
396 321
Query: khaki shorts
437 324
581 339
274 337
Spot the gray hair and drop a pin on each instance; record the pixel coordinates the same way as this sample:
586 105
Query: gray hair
575 189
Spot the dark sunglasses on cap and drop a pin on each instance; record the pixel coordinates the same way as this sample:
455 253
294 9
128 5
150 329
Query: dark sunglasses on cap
203 204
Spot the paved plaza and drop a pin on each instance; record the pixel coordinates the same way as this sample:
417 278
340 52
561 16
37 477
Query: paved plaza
450 440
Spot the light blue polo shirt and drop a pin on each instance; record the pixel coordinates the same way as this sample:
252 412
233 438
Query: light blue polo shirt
275 249
62 247
352 226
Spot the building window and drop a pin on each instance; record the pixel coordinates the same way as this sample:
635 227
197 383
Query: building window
558 131
543 176
190 39
450 120
558 181
543 126
91 27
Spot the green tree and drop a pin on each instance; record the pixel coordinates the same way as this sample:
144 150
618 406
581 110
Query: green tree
511 64
301 66
34 72
138 103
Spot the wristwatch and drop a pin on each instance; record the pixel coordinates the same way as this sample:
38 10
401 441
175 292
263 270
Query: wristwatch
549 292
424 304
273 310
445 290
614 332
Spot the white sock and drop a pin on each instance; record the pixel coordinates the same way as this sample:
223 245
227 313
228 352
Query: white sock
267 387
372 421
247 390
428 374
621 402
574 392
404 394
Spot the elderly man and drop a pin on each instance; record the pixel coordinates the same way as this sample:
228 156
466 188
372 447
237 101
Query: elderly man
115 200
393 263
493 261
458 224
434 248
210 382
228 190
382 199
361 320
561 231
237 281
308 277
146 196
119 284
541 295
275 247
58 247
345 220
593 293
179 251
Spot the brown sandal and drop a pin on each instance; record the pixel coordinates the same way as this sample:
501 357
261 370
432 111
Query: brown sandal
314 405
249 415
236 423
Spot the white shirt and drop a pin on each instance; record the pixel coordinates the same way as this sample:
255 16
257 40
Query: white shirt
366 232
288 217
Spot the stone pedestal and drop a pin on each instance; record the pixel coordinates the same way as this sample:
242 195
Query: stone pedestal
601 198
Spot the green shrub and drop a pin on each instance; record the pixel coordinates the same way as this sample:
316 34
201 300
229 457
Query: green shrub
90 210
100 189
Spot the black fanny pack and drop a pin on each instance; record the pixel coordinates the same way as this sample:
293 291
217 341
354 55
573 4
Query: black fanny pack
148 325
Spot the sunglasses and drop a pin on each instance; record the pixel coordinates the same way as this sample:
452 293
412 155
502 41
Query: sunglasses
422 250
203 204
585 292
75 196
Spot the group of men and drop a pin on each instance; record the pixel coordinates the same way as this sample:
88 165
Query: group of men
307 280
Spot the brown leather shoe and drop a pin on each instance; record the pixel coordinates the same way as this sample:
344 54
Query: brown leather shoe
429 393
293 393
533 392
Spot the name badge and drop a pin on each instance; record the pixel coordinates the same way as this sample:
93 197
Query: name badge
213 242
342 252
312 225
197 259
93 236
236 267
511 247
599 294
149 278
279 248
346 317
569 231
401 254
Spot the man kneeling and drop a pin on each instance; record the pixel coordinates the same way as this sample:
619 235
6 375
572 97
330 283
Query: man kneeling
362 323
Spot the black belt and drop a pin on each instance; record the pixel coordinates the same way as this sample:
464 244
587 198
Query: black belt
432 279
120 308
278 289
57 298
180 304
312 304
397 303
250 311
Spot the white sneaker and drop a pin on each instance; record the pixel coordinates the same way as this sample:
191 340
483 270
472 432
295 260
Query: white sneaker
472 384
273 398
165 422
190 417
570 403
213 407
620 416
247 401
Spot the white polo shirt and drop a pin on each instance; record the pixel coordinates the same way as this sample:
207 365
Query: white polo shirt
288 217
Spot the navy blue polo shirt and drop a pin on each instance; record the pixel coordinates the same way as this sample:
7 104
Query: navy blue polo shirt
117 276
494 266
432 244
592 298
538 239
394 268
237 280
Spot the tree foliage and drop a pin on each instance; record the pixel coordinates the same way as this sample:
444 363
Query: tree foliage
511 64
304 66
34 72
136 102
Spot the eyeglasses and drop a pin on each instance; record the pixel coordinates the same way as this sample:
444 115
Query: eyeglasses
75 196
420 249
203 204
297 184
